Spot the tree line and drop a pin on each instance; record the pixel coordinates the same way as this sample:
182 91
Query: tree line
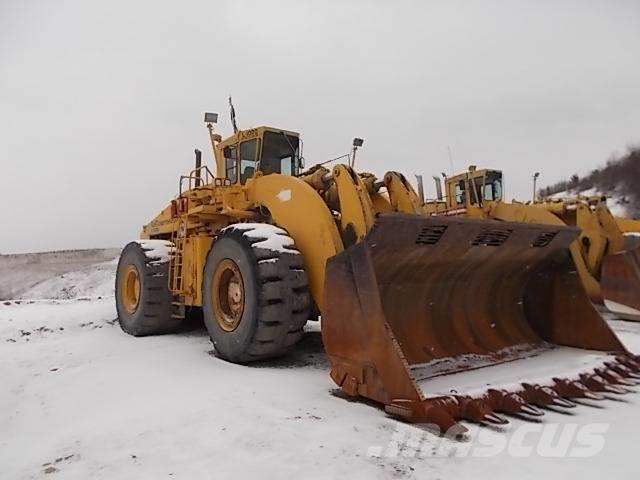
620 175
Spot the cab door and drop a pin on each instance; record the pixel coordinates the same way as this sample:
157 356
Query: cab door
231 163
248 159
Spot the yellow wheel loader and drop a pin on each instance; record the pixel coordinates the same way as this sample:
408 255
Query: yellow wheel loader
607 262
438 319
625 265
612 256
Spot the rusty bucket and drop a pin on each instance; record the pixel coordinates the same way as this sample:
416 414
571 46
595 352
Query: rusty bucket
448 319
620 280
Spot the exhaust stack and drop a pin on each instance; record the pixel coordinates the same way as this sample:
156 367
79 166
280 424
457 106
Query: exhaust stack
198 167
420 187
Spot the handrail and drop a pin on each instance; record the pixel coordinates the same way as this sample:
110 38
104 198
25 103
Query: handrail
195 176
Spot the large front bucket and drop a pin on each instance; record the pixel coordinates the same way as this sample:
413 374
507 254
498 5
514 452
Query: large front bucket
620 280
416 313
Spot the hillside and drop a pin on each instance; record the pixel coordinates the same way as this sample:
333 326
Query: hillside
55 274
618 180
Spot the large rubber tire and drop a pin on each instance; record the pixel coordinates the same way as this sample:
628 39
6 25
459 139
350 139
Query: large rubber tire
276 298
152 316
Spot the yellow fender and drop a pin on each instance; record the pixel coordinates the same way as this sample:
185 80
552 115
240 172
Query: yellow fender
295 206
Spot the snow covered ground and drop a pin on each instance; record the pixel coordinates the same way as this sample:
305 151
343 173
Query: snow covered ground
80 399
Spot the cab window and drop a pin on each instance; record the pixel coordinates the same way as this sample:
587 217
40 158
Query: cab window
461 197
248 154
286 165
493 188
279 153
488 192
230 163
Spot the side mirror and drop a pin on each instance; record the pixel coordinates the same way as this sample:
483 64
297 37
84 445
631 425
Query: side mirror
229 152
301 162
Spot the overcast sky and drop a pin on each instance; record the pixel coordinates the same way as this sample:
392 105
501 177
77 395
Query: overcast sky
101 102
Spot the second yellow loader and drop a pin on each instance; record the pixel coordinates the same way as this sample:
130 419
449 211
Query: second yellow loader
607 261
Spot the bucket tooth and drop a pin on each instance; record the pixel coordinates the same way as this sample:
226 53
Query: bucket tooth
474 409
593 396
575 389
532 410
441 412
536 395
563 402
622 370
479 410
495 419
629 362
598 384
446 423
511 403
613 377
544 396
635 360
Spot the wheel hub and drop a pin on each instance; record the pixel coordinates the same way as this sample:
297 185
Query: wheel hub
227 295
131 289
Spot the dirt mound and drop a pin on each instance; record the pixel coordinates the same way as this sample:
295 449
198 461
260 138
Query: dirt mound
21 272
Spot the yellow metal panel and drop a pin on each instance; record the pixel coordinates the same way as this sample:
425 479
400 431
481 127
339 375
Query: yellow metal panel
518 212
593 241
295 206
381 203
615 237
402 196
628 225
600 234
194 258
356 208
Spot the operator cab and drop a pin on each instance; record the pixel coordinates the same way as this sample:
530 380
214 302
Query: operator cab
475 187
262 149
